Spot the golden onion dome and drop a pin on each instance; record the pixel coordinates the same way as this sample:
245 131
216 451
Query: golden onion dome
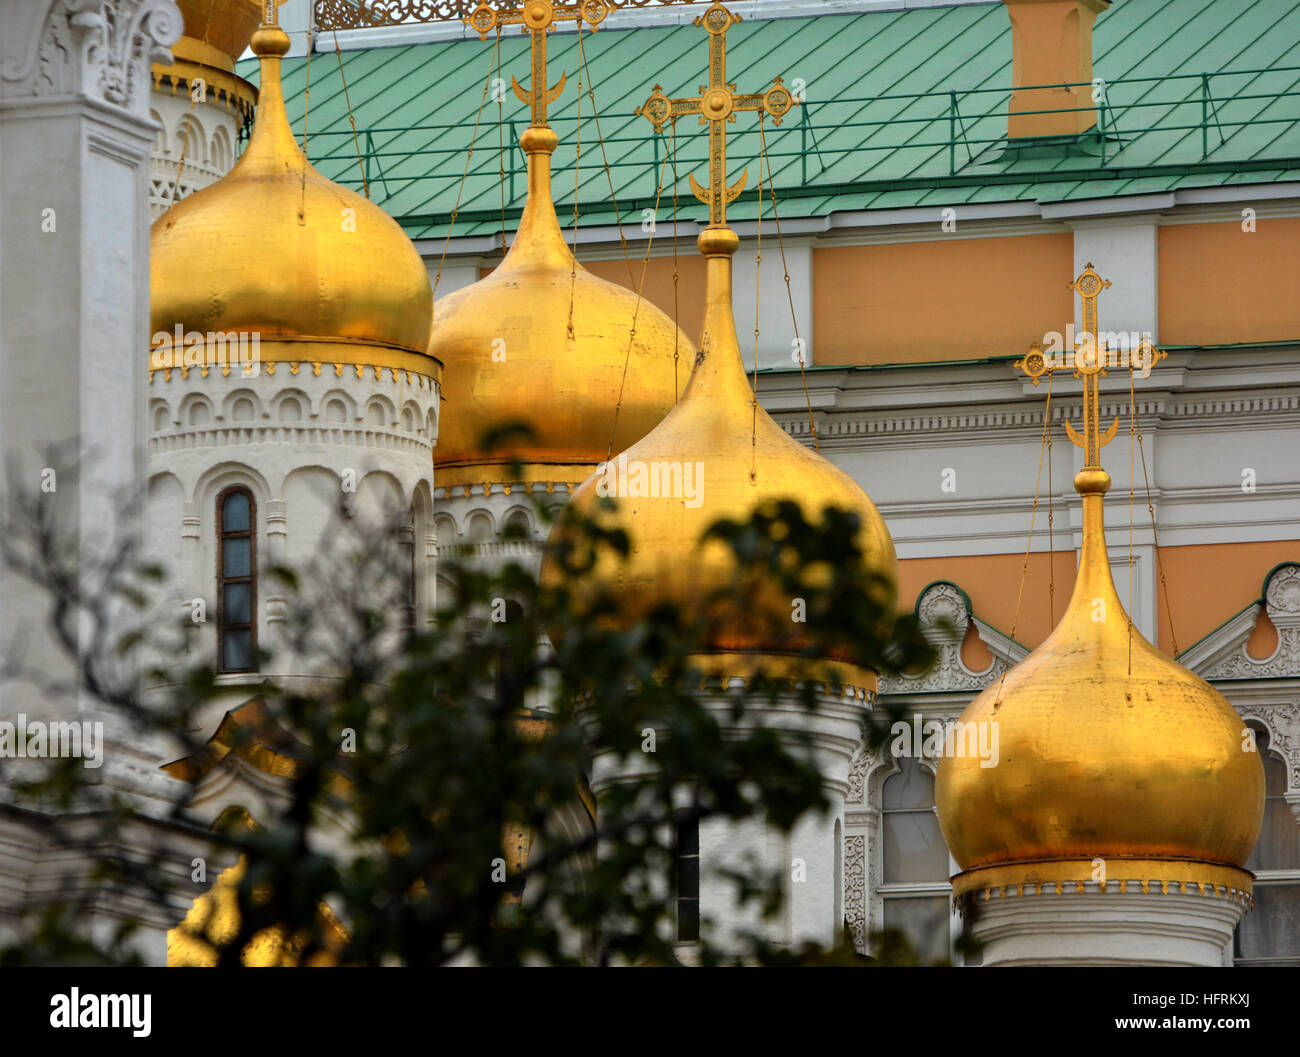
276 249
543 342
746 462
1108 750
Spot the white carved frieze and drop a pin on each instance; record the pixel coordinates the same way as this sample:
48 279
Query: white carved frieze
100 49
1225 656
945 618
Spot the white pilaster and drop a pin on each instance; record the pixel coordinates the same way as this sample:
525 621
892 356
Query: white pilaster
1123 250
765 286
74 270
74 310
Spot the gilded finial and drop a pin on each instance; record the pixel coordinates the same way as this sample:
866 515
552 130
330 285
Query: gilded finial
537 18
717 104
1089 359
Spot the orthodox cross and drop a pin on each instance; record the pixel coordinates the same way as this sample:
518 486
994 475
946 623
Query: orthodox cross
539 17
717 104
1089 360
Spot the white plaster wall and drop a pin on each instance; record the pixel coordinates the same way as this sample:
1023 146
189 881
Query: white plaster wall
299 442
455 274
1123 250
1112 928
1205 417
209 134
765 286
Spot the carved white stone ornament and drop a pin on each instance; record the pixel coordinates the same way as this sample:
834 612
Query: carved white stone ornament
945 619
100 49
1282 604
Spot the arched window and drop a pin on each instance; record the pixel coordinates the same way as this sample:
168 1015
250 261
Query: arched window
509 666
915 891
686 879
1270 933
236 581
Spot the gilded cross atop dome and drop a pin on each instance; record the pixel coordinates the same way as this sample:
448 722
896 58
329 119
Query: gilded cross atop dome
539 17
1091 358
718 103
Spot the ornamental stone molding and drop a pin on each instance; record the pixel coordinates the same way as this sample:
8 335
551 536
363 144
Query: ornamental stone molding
855 889
1222 655
861 876
206 135
1282 722
97 49
945 617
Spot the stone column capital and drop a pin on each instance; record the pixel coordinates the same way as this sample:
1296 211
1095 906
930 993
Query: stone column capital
97 49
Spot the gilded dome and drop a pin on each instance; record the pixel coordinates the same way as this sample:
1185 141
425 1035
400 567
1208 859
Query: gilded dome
513 354
275 248
1107 749
745 462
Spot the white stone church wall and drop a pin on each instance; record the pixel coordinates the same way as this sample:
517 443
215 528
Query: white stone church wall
304 444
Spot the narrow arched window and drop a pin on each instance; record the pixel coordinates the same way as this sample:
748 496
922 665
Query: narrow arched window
1270 933
236 581
686 879
914 887
510 667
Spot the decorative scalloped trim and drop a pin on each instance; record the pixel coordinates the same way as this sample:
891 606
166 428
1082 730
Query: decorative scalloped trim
1099 888
423 381
488 488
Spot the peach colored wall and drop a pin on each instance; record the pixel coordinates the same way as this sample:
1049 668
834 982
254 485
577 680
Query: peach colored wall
1210 583
658 288
955 299
1207 584
1220 285
992 582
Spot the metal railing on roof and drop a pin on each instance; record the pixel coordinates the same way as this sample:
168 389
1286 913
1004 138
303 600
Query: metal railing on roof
846 142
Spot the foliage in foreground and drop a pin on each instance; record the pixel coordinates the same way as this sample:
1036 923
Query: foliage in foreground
429 753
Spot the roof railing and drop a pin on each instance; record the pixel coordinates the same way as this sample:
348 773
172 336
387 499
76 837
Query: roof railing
920 129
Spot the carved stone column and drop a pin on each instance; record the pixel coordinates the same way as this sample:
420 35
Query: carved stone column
74 264
74 312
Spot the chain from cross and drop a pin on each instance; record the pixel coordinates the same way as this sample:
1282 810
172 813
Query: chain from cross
1090 359
717 104
539 17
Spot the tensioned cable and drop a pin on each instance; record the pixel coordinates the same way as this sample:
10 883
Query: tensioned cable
464 176
347 99
789 292
758 286
645 266
1151 510
306 109
1051 533
189 130
609 173
1132 484
677 275
1033 516
584 68
501 142
577 185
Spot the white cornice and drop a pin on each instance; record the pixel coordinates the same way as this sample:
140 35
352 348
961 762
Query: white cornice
924 223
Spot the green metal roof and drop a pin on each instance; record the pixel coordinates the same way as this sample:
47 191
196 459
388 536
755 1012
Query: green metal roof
903 108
